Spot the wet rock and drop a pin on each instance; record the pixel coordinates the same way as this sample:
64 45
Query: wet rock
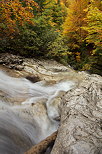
35 70
81 118
48 70
11 61
33 79
19 67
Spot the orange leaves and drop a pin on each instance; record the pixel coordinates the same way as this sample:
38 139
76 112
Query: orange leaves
15 13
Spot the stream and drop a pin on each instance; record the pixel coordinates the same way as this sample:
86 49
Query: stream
29 112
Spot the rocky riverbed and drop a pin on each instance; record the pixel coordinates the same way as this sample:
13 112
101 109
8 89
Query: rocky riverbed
30 98
28 120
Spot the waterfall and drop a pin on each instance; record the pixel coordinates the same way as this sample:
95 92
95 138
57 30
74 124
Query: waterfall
25 112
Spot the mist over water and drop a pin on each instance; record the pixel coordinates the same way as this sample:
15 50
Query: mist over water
23 125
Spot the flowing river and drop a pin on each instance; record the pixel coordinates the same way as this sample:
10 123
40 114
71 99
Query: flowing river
28 111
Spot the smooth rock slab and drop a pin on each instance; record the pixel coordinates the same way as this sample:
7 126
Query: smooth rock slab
81 120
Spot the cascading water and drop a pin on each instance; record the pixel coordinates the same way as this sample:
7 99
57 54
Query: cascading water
26 112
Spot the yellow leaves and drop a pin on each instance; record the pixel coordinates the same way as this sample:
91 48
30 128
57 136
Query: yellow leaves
78 57
94 26
75 17
66 53
86 67
75 20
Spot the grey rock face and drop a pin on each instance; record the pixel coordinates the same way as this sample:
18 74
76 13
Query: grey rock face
81 120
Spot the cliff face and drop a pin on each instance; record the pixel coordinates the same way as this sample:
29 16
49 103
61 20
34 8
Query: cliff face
81 119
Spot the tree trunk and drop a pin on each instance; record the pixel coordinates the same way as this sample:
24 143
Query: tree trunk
41 147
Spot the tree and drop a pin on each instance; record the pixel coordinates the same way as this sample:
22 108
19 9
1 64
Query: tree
15 13
74 22
94 26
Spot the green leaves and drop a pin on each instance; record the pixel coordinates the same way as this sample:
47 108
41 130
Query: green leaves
94 27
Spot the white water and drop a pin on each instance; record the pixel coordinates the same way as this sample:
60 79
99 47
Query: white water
22 126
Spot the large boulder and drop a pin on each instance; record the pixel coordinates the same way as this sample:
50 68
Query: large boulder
80 131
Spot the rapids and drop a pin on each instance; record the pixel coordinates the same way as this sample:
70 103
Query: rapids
27 112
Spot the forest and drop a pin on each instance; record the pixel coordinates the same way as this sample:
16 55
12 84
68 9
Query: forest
69 31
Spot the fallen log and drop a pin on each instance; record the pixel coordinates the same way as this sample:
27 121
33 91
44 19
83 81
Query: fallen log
41 147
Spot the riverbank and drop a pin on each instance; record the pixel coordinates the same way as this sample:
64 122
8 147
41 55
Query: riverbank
29 108
23 81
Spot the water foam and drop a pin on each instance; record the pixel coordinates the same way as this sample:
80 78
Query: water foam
17 133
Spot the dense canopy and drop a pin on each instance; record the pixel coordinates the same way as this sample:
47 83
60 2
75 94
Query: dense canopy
68 30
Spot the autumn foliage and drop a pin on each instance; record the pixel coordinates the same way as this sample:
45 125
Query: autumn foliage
74 22
94 26
67 30
15 13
